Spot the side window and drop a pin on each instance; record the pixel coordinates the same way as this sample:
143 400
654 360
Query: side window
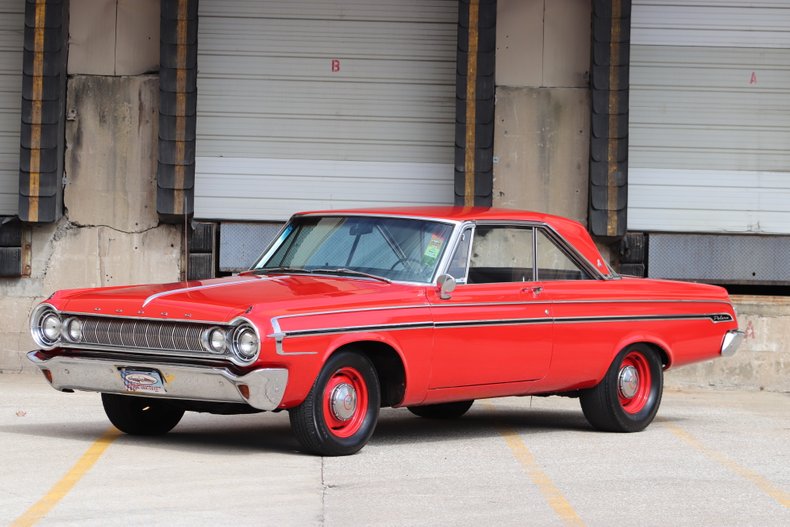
501 254
553 264
457 268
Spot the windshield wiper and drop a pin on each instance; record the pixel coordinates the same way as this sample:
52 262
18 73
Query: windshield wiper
344 271
267 270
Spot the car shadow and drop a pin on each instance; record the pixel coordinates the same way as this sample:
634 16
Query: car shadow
246 434
220 432
243 435
400 426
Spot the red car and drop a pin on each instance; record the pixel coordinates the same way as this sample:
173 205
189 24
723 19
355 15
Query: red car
350 311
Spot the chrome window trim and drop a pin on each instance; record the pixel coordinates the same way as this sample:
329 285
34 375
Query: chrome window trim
559 240
567 248
458 240
459 225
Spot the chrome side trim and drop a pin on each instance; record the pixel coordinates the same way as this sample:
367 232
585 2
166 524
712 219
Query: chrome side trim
715 318
731 341
491 304
280 335
265 387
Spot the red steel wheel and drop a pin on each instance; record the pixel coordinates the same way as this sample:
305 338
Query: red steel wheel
339 414
345 402
633 382
628 397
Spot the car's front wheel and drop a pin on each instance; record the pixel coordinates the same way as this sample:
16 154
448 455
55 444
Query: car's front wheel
628 397
340 413
443 410
140 415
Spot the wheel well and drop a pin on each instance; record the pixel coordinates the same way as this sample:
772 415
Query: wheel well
389 368
662 354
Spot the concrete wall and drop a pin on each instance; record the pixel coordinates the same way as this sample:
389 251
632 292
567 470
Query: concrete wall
541 140
763 360
110 232
113 37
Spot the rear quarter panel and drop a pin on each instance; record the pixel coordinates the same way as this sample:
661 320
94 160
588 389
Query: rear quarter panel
595 320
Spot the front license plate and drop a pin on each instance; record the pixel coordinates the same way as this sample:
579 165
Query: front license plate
142 381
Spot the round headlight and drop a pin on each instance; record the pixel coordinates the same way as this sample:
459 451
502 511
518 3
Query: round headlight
215 340
73 329
245 343
46 326
50 327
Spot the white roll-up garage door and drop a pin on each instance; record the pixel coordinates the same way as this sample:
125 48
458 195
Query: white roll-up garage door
710 116
322 104
12 38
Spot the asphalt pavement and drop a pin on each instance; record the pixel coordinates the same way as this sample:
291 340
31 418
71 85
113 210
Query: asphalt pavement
711 458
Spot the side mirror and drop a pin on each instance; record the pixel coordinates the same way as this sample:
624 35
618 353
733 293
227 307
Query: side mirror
446 285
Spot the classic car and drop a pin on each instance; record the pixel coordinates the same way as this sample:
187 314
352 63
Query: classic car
350 311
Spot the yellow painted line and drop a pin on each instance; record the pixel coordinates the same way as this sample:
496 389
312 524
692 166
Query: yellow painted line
41 508
471 106
780 496
551 493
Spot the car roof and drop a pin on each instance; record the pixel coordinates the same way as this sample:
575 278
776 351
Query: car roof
574 232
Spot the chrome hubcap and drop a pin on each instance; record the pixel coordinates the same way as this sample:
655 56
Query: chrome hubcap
343 401
628 382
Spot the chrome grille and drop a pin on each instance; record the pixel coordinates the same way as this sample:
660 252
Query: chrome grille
142 334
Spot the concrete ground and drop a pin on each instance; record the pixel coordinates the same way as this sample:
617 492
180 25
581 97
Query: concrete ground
710 458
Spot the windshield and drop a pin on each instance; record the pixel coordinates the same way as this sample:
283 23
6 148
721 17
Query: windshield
400 249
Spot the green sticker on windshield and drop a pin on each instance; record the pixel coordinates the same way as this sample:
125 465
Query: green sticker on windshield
433 249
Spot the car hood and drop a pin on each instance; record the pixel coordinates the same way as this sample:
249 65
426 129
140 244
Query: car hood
223 299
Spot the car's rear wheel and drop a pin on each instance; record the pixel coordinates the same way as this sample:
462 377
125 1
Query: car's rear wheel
340 413
140 415
628 397
442 411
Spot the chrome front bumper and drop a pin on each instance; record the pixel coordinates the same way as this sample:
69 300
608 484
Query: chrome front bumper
262 389
732 339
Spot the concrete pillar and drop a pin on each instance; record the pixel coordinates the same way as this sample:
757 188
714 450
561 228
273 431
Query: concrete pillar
110 232
541 139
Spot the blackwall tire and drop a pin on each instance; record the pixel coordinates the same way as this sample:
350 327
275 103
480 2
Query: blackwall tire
140 415
442 411
340 413
628 397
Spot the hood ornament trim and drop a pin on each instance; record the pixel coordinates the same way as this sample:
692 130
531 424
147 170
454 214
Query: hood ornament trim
190 289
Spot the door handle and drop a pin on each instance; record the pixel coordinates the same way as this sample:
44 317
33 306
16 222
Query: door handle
536 290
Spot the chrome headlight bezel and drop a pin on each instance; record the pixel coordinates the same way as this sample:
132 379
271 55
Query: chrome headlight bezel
40 314
215 340
72 330
245 333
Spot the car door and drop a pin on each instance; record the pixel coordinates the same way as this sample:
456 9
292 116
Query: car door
582 340
495 327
